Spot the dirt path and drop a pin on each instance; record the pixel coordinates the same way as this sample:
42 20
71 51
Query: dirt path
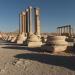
20 60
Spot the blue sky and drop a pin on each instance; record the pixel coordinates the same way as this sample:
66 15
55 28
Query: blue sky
53 13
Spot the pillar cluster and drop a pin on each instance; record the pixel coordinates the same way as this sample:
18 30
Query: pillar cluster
25 19
65 30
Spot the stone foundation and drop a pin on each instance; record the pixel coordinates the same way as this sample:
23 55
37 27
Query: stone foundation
14 39
34 44
21 38
53 48
34 41
9 38
55 44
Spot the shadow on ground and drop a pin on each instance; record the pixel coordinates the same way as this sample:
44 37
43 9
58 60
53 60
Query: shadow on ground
62 61
18 47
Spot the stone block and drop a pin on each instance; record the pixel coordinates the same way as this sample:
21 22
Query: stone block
54 48
34 44
55 44
14 39
21 38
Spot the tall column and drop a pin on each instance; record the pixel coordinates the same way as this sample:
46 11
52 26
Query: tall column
61 31
23 21
64 30
20 23
37 21
30 20
27 21
57 30
69 30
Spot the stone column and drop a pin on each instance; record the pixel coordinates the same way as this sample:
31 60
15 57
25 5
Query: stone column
64 30
20 23
57 30
37 21
30 20
22 38
60 30
27 21
24 21
69 30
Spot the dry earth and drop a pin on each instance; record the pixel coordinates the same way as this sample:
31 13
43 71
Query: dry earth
20 60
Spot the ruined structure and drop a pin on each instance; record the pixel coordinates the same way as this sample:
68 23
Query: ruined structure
25 28
34 40
22 32
65 30
55 44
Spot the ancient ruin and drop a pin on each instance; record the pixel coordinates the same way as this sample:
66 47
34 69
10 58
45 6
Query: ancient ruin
37 37
22 32
55 44
34 40
65 30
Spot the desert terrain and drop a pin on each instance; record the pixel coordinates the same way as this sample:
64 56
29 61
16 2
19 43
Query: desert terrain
21 60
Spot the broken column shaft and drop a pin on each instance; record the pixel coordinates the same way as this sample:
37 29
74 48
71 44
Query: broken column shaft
37 21
23 22
30 20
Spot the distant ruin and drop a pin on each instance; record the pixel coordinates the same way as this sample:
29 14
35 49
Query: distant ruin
66 30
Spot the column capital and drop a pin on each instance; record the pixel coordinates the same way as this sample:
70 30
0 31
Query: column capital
36 11
30 7
26 10
23 13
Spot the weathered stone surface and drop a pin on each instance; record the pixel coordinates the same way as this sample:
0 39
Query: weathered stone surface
14 39
34 41
70 39
37 21
9 38
21 38
30 19
55 44
34 38
54 48
0 36
34 44
56 38
44 38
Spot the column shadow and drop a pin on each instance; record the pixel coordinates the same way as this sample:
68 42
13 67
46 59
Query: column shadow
62 61
19 47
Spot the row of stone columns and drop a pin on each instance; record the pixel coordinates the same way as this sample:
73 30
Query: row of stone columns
26 36
25 28
26 21
65 29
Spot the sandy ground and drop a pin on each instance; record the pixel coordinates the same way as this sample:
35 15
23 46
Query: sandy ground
20 60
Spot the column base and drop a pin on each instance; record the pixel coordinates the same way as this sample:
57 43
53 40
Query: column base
9 38
21 38
34 44
14 39
53 48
